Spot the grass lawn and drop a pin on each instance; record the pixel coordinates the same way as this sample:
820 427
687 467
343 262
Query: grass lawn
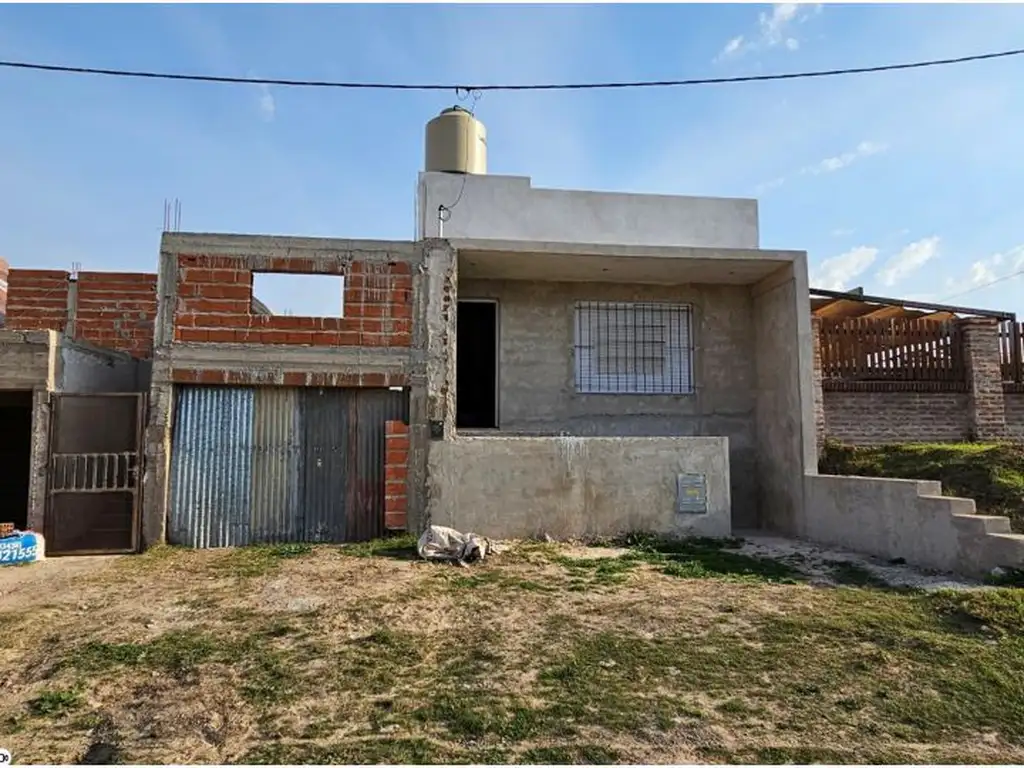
990 473
644 653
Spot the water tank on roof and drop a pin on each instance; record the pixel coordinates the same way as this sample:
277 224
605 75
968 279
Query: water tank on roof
456 143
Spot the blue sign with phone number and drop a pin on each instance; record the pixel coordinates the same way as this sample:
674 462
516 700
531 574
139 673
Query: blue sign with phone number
21 548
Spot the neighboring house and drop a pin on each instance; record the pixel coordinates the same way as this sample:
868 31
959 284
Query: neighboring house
535 361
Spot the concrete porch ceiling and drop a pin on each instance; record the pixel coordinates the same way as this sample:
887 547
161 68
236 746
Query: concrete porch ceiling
580 267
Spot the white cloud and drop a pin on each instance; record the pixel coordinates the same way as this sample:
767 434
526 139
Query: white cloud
268 107
733 45
838 162
909 260
828 165
836 273
991 268
773 30
767 186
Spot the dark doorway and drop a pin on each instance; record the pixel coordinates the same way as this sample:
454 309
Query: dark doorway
15 456
476 375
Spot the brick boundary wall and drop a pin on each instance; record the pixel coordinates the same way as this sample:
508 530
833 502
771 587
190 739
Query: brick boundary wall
37 299
396 473
982 407
5 270
214 304
113 310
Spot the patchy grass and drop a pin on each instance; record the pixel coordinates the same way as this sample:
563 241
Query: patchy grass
854 574
247 562
652 652
52 702
399 547
990 473
708 559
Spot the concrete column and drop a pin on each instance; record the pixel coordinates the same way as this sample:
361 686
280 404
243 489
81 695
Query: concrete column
157 448
441 300
40 461
820 428
986 408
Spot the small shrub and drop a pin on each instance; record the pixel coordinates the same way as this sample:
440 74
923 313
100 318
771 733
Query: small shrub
57 701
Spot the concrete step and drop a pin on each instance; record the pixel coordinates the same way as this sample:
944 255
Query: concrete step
1005 549
990 524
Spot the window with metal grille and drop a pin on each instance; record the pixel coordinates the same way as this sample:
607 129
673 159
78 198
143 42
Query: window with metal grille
633 348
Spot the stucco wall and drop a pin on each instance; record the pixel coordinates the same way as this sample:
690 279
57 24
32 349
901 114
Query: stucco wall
907 519
508 208
505 487
536 378
786 441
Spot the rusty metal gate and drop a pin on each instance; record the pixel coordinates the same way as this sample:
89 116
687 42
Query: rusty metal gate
94 479
279 464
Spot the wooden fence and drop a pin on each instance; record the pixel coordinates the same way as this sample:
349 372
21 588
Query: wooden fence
891 351
1011 351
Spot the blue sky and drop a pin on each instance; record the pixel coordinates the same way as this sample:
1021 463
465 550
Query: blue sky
906 183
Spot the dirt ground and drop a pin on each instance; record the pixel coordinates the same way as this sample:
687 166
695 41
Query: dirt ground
649 652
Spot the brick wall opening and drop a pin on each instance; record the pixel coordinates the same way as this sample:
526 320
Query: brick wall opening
288 293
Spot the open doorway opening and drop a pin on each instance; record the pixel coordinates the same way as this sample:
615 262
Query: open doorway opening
476 373
15 456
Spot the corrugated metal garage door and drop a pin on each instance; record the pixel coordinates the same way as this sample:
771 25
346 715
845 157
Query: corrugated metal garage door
274 464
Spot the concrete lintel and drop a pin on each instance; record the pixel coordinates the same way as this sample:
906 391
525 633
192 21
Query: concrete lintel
276 247
89 348
641 251
13 336
242 356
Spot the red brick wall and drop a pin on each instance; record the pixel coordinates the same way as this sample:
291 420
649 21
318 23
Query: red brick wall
396 471
893 417
115 310
37 299
4 269
1014 404
215 298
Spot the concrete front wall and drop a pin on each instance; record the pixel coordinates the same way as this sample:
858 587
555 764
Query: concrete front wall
537 380
509 487
907 519
870 418
508 208
786 440
29 361
89 370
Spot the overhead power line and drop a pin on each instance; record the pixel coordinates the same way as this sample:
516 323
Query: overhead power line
998 280
508 87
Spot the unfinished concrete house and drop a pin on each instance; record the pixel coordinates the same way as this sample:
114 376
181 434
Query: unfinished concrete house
614 361
72 384
601 363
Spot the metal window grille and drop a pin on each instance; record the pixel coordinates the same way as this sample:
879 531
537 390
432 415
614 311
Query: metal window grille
633 348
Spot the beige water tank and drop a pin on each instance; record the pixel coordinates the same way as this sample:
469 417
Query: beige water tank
456 143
